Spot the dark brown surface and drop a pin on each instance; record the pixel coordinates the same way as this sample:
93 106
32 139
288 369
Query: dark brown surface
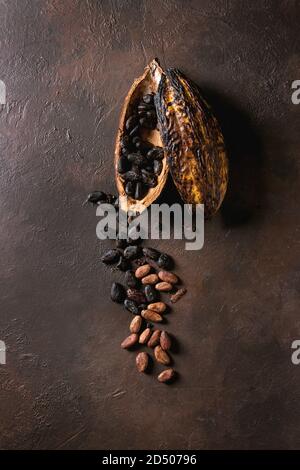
67 384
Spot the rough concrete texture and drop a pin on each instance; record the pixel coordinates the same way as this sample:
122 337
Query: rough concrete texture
67 66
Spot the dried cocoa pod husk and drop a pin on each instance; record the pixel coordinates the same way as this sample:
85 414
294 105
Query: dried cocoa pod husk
146 84
193 140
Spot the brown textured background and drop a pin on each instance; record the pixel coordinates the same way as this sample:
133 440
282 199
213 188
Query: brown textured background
67 66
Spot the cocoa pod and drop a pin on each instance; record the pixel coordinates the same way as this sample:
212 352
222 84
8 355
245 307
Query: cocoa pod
135 324
142 360
158 307
165 341
130 341
161 356
163 286
150 279
154 339
178 294
142 271
166 375
167 276
149 315
144 336
136 295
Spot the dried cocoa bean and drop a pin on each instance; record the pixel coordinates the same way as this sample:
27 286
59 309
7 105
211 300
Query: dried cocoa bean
163 286
142 361
161 356
165 341
177 296
167 276
150 279
154 339
166 375
151 316
130 341
142 271
158 307
135 324
144 336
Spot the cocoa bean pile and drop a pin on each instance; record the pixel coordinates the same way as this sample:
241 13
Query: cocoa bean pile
148 279
140 162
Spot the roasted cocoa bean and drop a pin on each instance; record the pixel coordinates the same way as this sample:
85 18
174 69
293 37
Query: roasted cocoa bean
165 341
130 279
136 295
135 324
132 252
151 253
130 341
164 286
161 356
167 276
142 271
111 256
145 335
142 361
166 375
131 306
150 293
117 293
150 315
154 339
164 261
177 296
150 279
158 307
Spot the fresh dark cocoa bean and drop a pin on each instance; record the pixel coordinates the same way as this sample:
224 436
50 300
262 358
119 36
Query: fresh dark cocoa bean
147 123
132 176
131 122
117 293
157 167
140 191
151 253
131 306
130 279
150 293
134 131
137 296
149 179
149 98
130 188
137 159
132 252
121 243
96 197
123 164
111 256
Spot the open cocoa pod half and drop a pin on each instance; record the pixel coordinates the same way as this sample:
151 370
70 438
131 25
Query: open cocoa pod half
167 126
140 161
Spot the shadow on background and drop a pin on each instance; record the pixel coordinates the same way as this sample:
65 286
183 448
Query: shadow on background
246 188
